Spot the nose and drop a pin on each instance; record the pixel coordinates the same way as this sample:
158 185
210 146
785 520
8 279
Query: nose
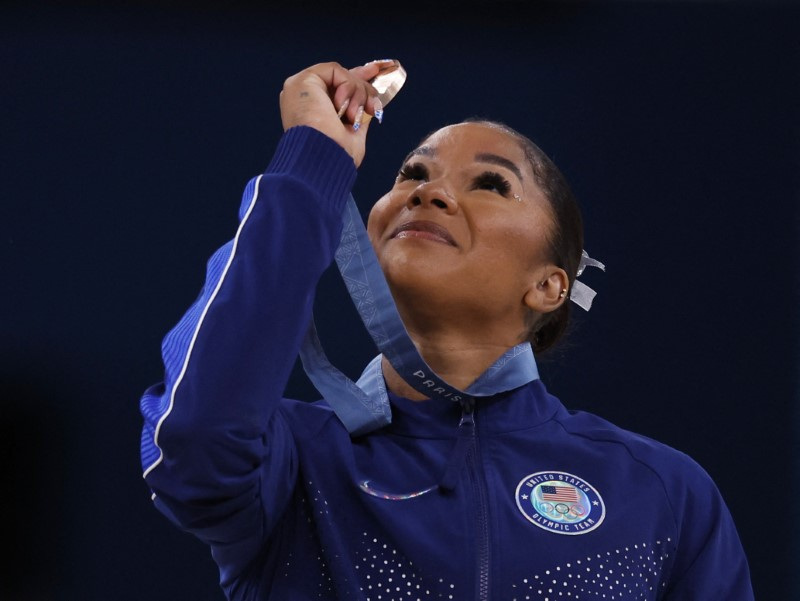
432 194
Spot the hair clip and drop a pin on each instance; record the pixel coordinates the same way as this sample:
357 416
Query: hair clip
581 294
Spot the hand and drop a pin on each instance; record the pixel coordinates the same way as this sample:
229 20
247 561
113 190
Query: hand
336 101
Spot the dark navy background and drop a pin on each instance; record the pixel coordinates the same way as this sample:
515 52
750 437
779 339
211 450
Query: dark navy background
127 133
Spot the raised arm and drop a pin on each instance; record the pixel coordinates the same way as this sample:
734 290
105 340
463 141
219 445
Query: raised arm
215 452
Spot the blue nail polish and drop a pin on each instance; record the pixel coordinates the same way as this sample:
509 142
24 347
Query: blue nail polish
379 115
359 116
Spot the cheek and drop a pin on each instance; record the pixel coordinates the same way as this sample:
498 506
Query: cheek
379 217
519 241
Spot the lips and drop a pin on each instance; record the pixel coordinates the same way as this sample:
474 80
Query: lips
426 230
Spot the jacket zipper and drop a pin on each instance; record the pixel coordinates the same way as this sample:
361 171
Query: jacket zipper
466 428
479 490
466 451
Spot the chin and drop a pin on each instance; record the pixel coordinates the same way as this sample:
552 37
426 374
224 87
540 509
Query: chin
420 277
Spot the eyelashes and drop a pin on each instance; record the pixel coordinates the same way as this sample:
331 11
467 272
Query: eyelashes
491 180
414 171
488 180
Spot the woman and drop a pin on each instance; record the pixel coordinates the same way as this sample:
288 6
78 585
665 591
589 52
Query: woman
512 498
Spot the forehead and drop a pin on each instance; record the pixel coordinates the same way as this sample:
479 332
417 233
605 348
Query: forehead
473 138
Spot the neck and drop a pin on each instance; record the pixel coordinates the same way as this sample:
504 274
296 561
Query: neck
457 361
459 341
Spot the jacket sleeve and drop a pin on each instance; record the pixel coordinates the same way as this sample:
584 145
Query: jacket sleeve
710 563
219 459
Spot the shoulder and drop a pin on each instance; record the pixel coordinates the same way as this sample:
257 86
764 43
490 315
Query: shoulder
679 474
708 559
307 419
706 541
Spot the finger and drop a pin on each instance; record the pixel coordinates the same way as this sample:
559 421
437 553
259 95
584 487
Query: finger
371 69
358 118
342 97
374 107
361 124
343 108
353 97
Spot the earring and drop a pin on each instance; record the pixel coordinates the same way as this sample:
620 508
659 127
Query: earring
517 197
563 293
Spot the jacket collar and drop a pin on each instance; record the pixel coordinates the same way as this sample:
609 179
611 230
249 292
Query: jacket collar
525 407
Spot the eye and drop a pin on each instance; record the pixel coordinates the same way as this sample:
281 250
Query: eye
412 171
493 182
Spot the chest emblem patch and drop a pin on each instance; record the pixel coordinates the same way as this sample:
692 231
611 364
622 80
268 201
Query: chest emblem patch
560 502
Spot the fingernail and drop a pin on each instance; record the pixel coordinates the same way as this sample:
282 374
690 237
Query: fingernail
343 108
379 110
359 116
380 60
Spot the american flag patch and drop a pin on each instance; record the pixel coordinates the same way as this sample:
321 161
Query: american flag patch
563 494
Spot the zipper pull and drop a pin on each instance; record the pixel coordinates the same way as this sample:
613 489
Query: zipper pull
466 436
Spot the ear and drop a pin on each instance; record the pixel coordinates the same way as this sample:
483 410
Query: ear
548 291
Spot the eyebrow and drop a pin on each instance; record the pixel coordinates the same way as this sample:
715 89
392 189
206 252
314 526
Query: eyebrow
423 150
498 160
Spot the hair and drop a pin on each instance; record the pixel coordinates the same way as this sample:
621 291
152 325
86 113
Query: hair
565 240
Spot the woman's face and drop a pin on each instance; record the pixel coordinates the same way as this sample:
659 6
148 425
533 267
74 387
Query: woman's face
464 221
